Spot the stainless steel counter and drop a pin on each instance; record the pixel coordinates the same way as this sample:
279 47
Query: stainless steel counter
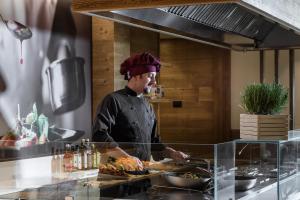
154 188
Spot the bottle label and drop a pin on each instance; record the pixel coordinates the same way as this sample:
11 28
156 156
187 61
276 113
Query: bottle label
98 158
68 165
90 161
54 166
75 161
85 160
95 160
79 163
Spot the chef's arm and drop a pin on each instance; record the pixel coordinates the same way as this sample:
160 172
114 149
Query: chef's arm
174 154
104 121
157 147
117 152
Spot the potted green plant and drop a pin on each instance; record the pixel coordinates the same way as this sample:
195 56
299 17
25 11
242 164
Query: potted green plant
263 103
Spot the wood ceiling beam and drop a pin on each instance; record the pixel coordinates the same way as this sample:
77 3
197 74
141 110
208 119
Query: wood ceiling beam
105 5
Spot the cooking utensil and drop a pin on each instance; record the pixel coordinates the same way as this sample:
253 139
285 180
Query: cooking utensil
19 30
196 159
66 72
243 183
175 179
241 151
195 162
66 84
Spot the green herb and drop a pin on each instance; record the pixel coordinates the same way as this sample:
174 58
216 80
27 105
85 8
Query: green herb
264 99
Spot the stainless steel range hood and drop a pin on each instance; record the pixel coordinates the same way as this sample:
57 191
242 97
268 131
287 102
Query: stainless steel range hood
264 26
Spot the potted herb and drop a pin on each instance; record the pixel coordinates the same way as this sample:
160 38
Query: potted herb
263 102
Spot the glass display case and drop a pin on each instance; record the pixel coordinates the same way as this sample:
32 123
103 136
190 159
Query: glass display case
93 170
233 170
271 168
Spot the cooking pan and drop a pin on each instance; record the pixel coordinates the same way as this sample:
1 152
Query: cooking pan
66 72
176 179
243 183
66 84
181 179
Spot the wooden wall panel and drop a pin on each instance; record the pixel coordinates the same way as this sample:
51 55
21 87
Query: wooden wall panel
121 52
103 60
144 41
197 75
112 44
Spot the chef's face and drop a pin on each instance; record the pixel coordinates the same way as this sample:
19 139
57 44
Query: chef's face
147 81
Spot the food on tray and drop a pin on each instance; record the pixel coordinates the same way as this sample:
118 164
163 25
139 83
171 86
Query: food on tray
122 166
190 175
111 169
128 164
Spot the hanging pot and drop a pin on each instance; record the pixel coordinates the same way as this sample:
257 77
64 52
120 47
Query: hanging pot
66 72
66 84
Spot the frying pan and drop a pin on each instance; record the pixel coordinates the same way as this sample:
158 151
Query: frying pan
175 179
242 183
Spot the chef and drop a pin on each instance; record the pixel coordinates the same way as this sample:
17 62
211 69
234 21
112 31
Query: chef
125 116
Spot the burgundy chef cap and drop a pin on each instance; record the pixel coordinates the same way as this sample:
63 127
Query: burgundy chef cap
139 64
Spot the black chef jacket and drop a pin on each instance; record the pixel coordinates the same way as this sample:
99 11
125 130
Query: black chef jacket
125 117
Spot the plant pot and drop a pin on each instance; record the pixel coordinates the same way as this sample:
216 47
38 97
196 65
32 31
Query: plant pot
263 127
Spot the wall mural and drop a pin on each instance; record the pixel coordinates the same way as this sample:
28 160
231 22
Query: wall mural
45 66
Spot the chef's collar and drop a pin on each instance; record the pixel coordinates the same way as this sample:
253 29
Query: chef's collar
130 91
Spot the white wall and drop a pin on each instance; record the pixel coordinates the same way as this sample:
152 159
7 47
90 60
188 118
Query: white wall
245 70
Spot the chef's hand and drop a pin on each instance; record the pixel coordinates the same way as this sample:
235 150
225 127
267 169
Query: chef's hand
138 163
118 152
176 155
